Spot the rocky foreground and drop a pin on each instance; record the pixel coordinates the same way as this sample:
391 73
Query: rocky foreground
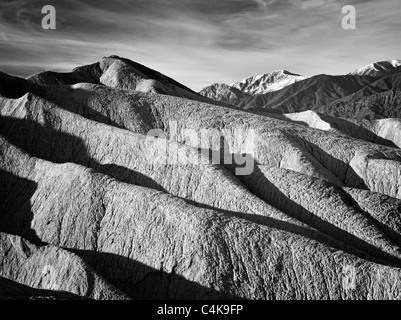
92 207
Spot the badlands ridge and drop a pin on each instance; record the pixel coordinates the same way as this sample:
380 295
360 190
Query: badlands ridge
86 214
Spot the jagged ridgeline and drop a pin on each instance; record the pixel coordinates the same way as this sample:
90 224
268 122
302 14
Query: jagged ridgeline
90 209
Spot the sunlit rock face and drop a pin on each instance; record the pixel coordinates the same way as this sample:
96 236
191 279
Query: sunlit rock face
118 182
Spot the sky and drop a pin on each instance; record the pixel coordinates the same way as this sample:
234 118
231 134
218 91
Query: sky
200 42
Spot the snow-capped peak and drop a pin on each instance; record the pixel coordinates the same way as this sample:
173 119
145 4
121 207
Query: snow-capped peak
268 82
377 69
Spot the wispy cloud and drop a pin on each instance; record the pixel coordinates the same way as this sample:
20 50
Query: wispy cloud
200 41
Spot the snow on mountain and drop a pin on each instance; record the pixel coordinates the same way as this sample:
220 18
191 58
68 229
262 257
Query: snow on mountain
377 69
269 82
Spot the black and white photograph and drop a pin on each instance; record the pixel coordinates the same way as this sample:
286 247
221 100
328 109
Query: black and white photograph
200 154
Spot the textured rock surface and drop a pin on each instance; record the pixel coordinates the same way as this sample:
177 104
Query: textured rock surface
87 191
11 290
153 245
51 268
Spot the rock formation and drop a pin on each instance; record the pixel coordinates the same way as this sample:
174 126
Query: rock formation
107 192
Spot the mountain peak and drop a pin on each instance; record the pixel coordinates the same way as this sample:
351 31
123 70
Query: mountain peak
268 82
285 72
378 69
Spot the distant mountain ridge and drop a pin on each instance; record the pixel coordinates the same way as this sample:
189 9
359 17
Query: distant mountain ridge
268 82
378 69
297 94
236 93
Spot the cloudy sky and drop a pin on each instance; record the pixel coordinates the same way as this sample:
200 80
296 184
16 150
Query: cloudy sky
199 42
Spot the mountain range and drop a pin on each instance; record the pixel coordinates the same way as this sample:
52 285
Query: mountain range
370 92
89 209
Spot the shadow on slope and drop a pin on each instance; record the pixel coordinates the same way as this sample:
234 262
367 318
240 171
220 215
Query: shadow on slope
84 99
46 143
148 283
13 87
58 147
89 73
328 234
391 233
11 290
345 126
337 167
15 205
337 238
266 190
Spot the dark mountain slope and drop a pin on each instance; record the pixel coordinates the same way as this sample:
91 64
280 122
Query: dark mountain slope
303 95
381 99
